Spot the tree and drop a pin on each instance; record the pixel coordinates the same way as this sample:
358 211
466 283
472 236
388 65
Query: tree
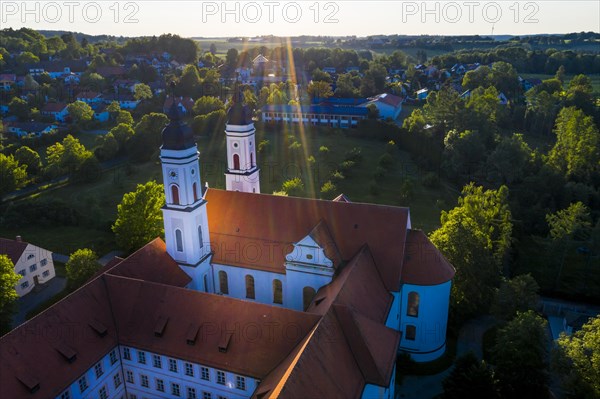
321 76
27 57
207 104
80 111
518 294
139 216
107 146
570 222
8 293
82 265
475 237
231 59
463 154
26 156
213 48
345 86
122 133
444 109
147 136
519 355
189 84
93 81
19 108
293 187
319 89
124 117
66 157
374 80
29 83
471 379
142 91
576 358
510 160
576 152
13 175
328 190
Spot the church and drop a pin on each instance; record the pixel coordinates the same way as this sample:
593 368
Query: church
248 296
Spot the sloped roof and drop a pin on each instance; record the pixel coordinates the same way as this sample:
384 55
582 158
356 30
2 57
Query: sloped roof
424 264
150 263
12 248
54 107
341 198
350 344
138 305
239 220
31 353
357 286
322 236
388 99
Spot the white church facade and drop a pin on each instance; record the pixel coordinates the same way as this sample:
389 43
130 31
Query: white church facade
249 296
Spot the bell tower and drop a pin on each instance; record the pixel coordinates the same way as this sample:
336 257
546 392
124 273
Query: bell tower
185 217
242 170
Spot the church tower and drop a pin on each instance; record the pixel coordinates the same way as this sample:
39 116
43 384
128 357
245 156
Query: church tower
185 217
242 171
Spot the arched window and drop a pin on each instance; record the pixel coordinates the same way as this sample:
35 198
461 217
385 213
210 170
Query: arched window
250 287
277 292
200 238
223 283
413 304
175 194
411 332
179 240
206 283
236 162
251 159
195 190
308 293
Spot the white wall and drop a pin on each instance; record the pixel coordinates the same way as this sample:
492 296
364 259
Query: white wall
34 256
431 323
228 390
263 283
106 380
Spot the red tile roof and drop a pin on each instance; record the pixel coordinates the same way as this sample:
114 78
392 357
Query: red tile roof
424 264
152 263
388 99
240 222
32 351
321 235
88 95
257 344
53 107
12 248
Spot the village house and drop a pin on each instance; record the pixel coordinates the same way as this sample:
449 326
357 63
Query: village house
22 129
7 81
33 263
56 110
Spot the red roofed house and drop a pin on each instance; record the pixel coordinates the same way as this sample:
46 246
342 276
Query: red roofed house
185 104
250 296
32 262
57 110
389 105
7 81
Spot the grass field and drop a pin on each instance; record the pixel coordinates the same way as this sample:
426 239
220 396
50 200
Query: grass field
594 77
278 163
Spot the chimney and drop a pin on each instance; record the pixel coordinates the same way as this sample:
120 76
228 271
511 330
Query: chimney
18 239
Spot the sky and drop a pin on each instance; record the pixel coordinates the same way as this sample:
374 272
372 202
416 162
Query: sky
195 18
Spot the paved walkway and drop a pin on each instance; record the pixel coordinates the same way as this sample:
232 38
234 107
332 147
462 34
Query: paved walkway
470 338
40 294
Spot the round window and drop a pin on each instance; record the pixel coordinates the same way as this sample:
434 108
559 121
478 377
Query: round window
235 145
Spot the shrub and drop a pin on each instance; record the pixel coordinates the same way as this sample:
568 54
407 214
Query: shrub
374 188
386 161
431 180
293 187
328 190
